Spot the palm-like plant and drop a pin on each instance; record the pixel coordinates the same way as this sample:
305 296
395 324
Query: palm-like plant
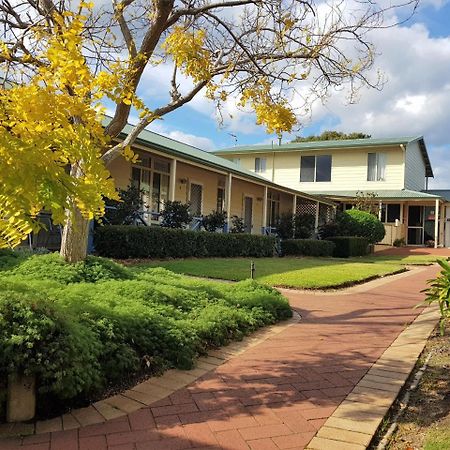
439 291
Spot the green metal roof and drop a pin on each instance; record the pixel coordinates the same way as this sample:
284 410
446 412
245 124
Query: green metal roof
400 194
443 193
175 148
335 145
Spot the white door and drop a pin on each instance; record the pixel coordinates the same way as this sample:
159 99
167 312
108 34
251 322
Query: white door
447 226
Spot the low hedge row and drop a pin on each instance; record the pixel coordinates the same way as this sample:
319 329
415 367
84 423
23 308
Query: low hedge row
125 241
307 247
346 246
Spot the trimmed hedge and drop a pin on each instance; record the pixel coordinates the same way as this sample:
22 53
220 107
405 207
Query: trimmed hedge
346 246
125 241
354 223
307 247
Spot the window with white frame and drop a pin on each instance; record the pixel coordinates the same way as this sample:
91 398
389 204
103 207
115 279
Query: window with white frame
376 166
315 168
236 161
273 208
390 212
260 165
220 199
151 176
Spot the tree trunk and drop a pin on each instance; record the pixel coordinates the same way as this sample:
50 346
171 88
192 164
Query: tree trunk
74 240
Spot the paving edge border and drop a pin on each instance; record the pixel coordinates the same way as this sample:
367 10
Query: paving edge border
357 419
146 393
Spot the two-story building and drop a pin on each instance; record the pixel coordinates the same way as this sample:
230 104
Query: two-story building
396 170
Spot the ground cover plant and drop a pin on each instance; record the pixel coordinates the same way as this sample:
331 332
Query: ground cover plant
301 273
82 328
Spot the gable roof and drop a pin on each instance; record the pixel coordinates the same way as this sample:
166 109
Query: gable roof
175 148
333 145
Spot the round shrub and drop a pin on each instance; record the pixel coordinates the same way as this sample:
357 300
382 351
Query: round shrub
53 267
355 223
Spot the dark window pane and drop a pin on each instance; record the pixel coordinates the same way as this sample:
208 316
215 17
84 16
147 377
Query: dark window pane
323 168
415 216
162 166
307 166
393 212
136 177
220 199
415 236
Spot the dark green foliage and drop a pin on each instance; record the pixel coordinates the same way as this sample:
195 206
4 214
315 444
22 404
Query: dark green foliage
53 267
214 221
303 226
331 135
152 242
175 215
354 223
297 226
399 242
285 226
125 211
307 247
237 225
80 338
346 246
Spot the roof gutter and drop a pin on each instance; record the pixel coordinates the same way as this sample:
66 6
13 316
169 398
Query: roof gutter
260 181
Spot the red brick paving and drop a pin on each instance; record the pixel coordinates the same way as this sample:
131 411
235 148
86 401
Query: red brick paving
382 250
277 394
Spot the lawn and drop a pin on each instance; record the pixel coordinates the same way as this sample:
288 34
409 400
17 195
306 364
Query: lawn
301 273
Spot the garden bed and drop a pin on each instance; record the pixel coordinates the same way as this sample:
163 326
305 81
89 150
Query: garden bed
92 328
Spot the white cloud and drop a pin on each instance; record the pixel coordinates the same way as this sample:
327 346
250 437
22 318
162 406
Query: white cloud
200 142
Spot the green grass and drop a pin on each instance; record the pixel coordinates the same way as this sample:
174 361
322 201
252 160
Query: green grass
438 438
307 273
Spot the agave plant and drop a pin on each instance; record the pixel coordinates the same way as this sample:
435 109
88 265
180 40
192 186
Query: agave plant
439 291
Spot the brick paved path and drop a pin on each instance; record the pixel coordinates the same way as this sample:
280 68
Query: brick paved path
277 394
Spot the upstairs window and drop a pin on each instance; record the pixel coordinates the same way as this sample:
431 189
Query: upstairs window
315 168
236 161
376 167
260 165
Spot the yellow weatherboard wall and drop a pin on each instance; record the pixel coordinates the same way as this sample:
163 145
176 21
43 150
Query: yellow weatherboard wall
207 179
240 189
348 170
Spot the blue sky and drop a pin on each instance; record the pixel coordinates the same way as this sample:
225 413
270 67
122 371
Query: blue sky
415 59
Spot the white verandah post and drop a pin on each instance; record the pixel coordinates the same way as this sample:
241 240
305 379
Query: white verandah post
173 180
316 221
436 224
264 218
228 200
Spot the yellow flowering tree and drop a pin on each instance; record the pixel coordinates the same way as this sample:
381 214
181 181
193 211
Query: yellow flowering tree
61 59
